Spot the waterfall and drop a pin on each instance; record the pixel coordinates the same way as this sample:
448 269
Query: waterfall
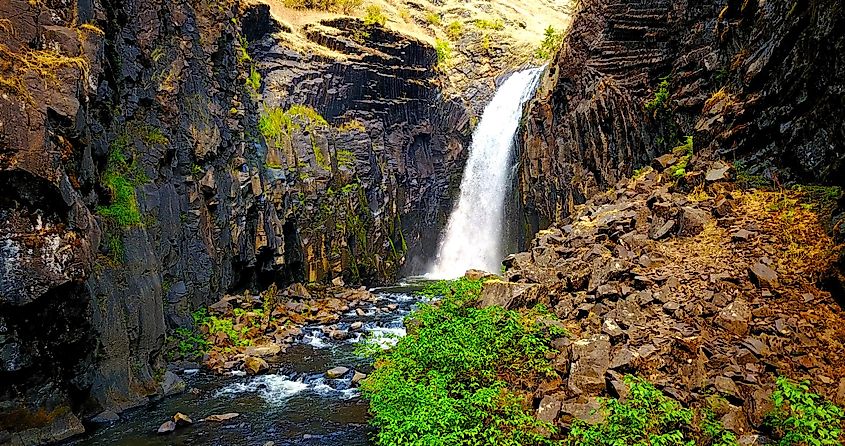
473 236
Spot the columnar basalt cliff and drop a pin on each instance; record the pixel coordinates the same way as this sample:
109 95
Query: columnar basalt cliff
751 81
142 182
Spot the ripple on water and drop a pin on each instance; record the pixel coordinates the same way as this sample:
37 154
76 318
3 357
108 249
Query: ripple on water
272 388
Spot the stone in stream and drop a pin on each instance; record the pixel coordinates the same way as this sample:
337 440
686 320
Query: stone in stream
167 427
358 377
105 417
255 366
356 325
337 372
172 384
221 417
182 420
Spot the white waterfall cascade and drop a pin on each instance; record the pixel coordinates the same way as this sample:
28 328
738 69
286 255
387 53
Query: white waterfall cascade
473 236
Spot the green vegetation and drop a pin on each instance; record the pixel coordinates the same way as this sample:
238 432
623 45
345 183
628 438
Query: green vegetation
253 81
345 158
495 25
804 418
550 44
374 16
432 18
748 181
154 136
661 97
276 123
344 6
121 177
456 378
444 52
647 417
455 29
684 153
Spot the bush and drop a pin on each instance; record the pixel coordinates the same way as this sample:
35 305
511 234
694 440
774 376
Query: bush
661 97
550 43
432 18
458 377
804 418
444 52
275 122
374 16
648 417
495 25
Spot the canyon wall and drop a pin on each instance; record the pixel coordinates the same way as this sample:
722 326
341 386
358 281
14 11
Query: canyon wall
141 182
755 82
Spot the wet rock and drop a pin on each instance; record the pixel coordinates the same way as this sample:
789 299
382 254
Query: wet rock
356 325
357 377
172 384
182 420
105 417
735 317
167 427
255 366
62 427
264 350
476 274
337 372
763 275
590 361
221 417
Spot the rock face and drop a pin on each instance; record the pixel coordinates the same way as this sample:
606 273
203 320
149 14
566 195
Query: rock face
755 81
140 186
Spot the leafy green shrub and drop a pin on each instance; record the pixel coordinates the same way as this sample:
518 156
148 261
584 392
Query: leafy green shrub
455 379
444 52
374 16
804 418
648 418
661 97
550 44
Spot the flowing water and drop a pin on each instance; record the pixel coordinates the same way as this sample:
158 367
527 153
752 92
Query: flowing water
294 405
473 236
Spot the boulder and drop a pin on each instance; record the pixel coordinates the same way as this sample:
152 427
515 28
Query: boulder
477 274
265 350
590 361
337 372
511 295
255 366
167 427
172 384
549 408
357 377
735 317
587 410
221 417
693 220
299 291
763 276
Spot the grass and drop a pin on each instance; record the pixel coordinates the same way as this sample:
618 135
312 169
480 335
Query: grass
455 29
46 64
463 375
344 6
374 15
433 18
491 24
120 177
253 81
684 153
444 52
804 418
277 123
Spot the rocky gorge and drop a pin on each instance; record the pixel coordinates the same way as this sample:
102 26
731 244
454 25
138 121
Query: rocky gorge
196 183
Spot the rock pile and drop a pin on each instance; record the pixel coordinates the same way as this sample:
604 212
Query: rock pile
696 285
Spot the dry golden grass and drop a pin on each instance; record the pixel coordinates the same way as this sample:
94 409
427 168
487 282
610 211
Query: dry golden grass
15 67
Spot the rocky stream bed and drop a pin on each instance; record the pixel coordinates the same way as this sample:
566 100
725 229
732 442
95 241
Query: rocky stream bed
308 396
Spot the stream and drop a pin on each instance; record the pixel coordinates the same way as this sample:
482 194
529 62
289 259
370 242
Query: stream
294 404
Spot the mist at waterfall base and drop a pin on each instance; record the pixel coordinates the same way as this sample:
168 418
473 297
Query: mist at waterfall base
473 236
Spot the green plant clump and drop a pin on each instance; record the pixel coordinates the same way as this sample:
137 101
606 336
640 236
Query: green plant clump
253 81
276 123
647 417
121 177
444 52
661 97
373 15
684 153
457 378
432 18
455 29
495 25
804 418
550 44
